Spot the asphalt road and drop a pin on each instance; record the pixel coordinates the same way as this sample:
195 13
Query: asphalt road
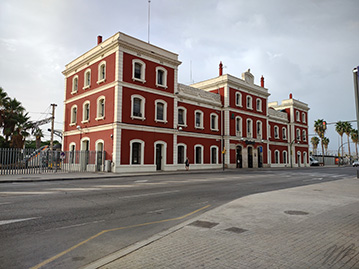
68 224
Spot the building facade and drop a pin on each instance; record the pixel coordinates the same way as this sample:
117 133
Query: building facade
123 97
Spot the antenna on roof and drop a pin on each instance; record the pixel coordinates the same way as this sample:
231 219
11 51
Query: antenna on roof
149 17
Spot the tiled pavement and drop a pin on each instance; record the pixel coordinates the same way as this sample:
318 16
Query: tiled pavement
315 226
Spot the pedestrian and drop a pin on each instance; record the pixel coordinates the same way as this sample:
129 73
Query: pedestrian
187 164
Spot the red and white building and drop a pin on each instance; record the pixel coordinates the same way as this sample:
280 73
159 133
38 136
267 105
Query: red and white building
123 97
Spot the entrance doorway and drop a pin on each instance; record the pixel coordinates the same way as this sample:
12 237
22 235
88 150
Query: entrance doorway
158 157
260 156
250 157
239 157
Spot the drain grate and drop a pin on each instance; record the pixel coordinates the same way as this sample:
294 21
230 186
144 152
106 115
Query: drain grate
236 230
204 224
296 212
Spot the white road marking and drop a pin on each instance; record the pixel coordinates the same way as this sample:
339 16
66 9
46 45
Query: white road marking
25 192
75 225
75 189
6 203
141 181
147 194
3 222
116 186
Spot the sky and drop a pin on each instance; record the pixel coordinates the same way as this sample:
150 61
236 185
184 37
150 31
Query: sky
308 47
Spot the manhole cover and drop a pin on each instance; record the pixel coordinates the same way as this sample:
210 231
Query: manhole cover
204 224
295 212
236 230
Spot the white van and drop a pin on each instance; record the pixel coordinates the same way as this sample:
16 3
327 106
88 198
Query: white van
313 162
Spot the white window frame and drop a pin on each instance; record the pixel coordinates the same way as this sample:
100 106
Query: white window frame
284 133
195 153
75 89
143 70
185 152
215 122
249 128
87 82
239 131
285 156
249 102
276 132
259 105
143 101
72 159
304 118
98 108
164 70
184 116
211 155
238 99
298 134
73 120
164 103
82 144
260 131
304 135
201 119
276 156
99 78
142 143
297 115
86 103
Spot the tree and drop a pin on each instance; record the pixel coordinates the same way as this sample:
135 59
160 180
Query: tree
38 134
347 127
320 130
325 142
3 102
339 127
315 142
354 137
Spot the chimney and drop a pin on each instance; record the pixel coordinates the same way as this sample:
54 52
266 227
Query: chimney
262 82
290 96
220 68
99 39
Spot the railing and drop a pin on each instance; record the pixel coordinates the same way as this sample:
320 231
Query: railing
30 161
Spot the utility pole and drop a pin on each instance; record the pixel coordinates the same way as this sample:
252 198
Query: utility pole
52 127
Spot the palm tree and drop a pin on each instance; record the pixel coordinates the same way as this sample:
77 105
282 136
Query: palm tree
38 134
4 99
347 127
20 131
339 127
326 143
320 130
315 142
354 136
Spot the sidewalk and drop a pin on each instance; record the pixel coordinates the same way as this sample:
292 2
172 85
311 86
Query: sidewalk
315 226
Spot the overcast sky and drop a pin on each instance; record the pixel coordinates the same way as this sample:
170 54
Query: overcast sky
307 47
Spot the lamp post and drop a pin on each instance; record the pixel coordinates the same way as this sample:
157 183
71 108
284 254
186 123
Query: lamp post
339 149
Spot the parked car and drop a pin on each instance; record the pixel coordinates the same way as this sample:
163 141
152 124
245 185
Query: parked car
313 162
356 163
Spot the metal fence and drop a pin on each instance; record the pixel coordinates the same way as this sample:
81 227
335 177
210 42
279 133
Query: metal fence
43 160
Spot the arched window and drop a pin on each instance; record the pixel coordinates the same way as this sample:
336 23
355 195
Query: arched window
198 151
276 132
304 118
72 150
100 108
249 128
214 154
276 156
249 102
138 70
136 151
182 116
259 105
161 77
298 134
87 80
161 111
86 111
214 122
73 115
304 134
285 157
198 115
284 133
181 153
137 107
101 72
75 84
259 129
238 126
238 99
297 115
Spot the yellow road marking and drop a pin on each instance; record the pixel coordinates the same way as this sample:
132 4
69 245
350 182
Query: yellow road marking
112 230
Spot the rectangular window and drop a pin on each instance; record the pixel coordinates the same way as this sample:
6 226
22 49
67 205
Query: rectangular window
180 154
159 111
136 153
198 119
137 107
214 155
160 74
137 70
181 116
213 122
198 155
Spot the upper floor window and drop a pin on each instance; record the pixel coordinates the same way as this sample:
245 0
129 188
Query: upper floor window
284 133
238 99
138 70
259 105
101 72
249 128
161 77
198 119
249 102
75 84
181 116
100 108
297 115
161 111
86 112
87 81
73 115
298 134
259 129
138 107
304 133
214 122
276 132
303 117
238 126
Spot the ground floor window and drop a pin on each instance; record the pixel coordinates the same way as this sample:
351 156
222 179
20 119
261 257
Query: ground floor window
214 155
198 153
180 154
136 153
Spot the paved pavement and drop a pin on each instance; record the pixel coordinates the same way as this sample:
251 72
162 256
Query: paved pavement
314 226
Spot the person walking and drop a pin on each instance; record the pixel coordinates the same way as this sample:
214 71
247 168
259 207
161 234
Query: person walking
187 164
